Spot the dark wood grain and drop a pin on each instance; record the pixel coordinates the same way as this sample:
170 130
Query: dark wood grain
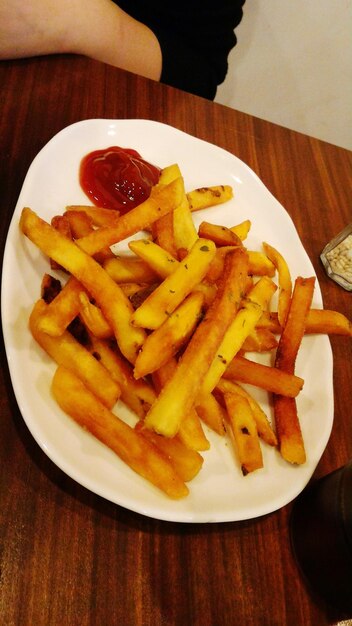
70 558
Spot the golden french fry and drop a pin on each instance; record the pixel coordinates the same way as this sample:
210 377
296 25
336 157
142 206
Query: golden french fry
242 229
291 444
115 306
129 269
160 261
99 216
60 312
285 282
179 394
134 449
319 321
186 462
293 331
163 233
269 321
264 428
185 232
62 225
208 292
244 431
183 228
93 318
241 326
327 322
205 197
263 376
66 350
80 223
137 395
260 264
220 235
211 412
136 292
172 291
165 341
190 433
163 228
288 429
260 340
161 201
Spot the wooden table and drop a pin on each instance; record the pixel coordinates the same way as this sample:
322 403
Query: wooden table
67 556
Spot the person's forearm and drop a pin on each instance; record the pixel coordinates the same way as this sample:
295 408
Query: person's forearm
95 28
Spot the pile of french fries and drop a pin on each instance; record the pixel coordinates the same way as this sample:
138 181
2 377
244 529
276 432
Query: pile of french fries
166 329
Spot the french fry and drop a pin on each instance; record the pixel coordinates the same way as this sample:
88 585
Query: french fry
291 444
165 341
244 431
62 225
80 223
327 322
139 454
242 229
161 201
163 233
99 216
241 326
179 394
93 318
288 429
190 432
293 331
161 262
260 264
163 228
172 291
211 412
136 292
264 428
319 321
269 321
115 306
220 235
208 292
60 312
260 340
66 350
206 197
272 379
285 282
129 269
186 462
137 395
183 228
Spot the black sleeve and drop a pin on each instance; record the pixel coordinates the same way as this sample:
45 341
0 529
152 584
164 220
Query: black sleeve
195 37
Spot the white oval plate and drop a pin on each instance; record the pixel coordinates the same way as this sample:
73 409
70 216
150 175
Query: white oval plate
219 493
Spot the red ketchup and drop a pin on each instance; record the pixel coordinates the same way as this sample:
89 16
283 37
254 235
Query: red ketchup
117 178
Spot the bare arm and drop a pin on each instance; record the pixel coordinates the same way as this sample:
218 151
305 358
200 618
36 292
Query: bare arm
95 28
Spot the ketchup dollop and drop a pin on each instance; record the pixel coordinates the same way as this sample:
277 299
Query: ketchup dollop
117 178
